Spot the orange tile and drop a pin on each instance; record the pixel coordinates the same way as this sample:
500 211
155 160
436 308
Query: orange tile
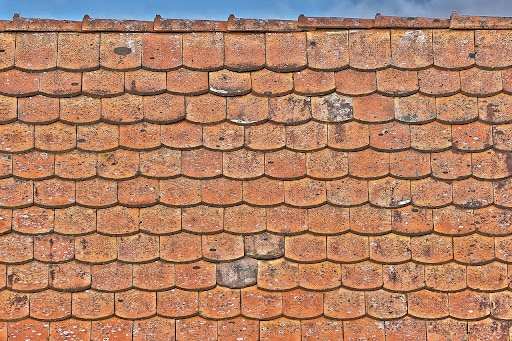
98 137
196 328
185 81
177 303
457 109
500 305
118 220
451 165
385 305
263 191
268 136
112 328
243 164
202 219
31 276
327 50
302 304
138 248
278 274
369 49
33 220
406 329
389 192
54 192
9 109
222 247
36 51
365 328
431 248
244 219
126 108
204 50
327 219
305 248
180 191
96 192
153 276
290 109
451 220
447 329
269 83
138 192
307 136
414 109
431 137
363 275
286 51
469 305
8 43
70 276
305 192
404 41
477 82
16 137
472 193
28 329
57 137
390 136
355 82
493 220
285 164
135 304
446 277
160 163
491 109
78 51
428 304
390 248
438 82
431 193
409 164
219 303
5 221
54 248
397 82
237 274
156 328
144 82
230 330
113 276
501 137
261 304
180 247
488 277
374 108
195 276
182 135
102 83
332 108
454 49
162 51
118 164
244 51
502 245
160 219
310 82
370 220
163 108
344 304
491 165
281 329
473 249
229 83
38 109
69 329
50 305
15 248
320 276
488 328
264 246
348 136
60 83
92 304
492 48
95 248
221 191
348 247
75 165
120 51
13 305
403 277
15 82
201 163
75 220
224 136
368 163
286 220
247 109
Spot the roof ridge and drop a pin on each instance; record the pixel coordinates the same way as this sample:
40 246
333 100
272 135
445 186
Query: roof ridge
303 23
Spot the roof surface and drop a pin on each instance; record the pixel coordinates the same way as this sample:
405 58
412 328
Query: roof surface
318 179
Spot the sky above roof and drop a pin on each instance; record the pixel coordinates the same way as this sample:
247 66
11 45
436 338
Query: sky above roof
219 10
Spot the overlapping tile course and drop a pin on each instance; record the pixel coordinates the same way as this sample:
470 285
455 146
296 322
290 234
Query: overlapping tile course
319 179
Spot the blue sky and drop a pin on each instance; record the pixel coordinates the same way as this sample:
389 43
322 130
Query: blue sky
219 10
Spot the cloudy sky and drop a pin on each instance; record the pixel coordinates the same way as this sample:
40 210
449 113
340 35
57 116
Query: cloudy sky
219 10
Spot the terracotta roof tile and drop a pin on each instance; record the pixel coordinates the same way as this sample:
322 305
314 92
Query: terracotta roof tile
319 178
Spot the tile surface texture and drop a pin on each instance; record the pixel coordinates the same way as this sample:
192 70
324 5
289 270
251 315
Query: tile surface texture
317 179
